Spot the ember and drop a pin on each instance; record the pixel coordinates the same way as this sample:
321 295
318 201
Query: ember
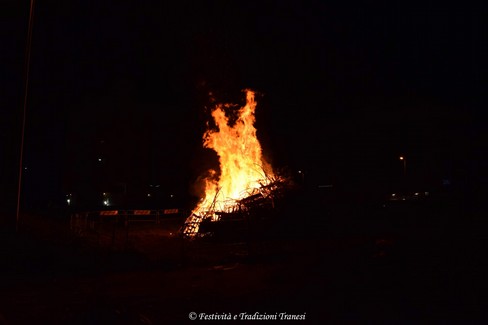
246 179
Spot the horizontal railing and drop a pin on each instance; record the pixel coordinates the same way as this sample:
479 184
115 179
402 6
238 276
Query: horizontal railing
88 218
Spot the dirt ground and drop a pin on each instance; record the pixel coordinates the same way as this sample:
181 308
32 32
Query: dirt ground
149 275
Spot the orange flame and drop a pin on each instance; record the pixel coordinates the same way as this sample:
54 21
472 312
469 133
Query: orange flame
242 166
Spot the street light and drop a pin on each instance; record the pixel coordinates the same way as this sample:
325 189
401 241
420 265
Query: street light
302 174
404 165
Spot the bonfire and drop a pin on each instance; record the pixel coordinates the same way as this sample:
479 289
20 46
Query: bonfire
245 178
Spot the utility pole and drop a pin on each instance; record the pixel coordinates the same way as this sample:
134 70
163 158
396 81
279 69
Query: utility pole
26 87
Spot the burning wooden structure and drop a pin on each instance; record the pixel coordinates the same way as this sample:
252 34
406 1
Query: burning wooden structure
258 205
246 182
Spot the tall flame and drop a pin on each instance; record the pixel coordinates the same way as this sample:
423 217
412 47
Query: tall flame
242 167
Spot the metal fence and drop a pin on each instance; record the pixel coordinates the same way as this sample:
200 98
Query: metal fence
112 225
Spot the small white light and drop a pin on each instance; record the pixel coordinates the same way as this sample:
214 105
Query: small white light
105 202
171 195
393 194
148 194
68 201
99 159
416 193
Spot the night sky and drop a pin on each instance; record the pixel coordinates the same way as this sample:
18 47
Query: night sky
343 88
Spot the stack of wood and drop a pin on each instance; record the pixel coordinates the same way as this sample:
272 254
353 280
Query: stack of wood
259 203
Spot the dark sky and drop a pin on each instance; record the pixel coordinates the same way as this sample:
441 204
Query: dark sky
344 88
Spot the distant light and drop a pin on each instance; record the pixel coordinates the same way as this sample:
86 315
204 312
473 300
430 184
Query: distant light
171 195
99 159
25 168
426 193
149 194
401 158
105 202
416 193
68 201
393 194
299 171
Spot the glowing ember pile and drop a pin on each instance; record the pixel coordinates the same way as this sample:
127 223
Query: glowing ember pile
243 171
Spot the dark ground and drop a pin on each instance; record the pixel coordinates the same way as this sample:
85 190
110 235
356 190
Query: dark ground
405 263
